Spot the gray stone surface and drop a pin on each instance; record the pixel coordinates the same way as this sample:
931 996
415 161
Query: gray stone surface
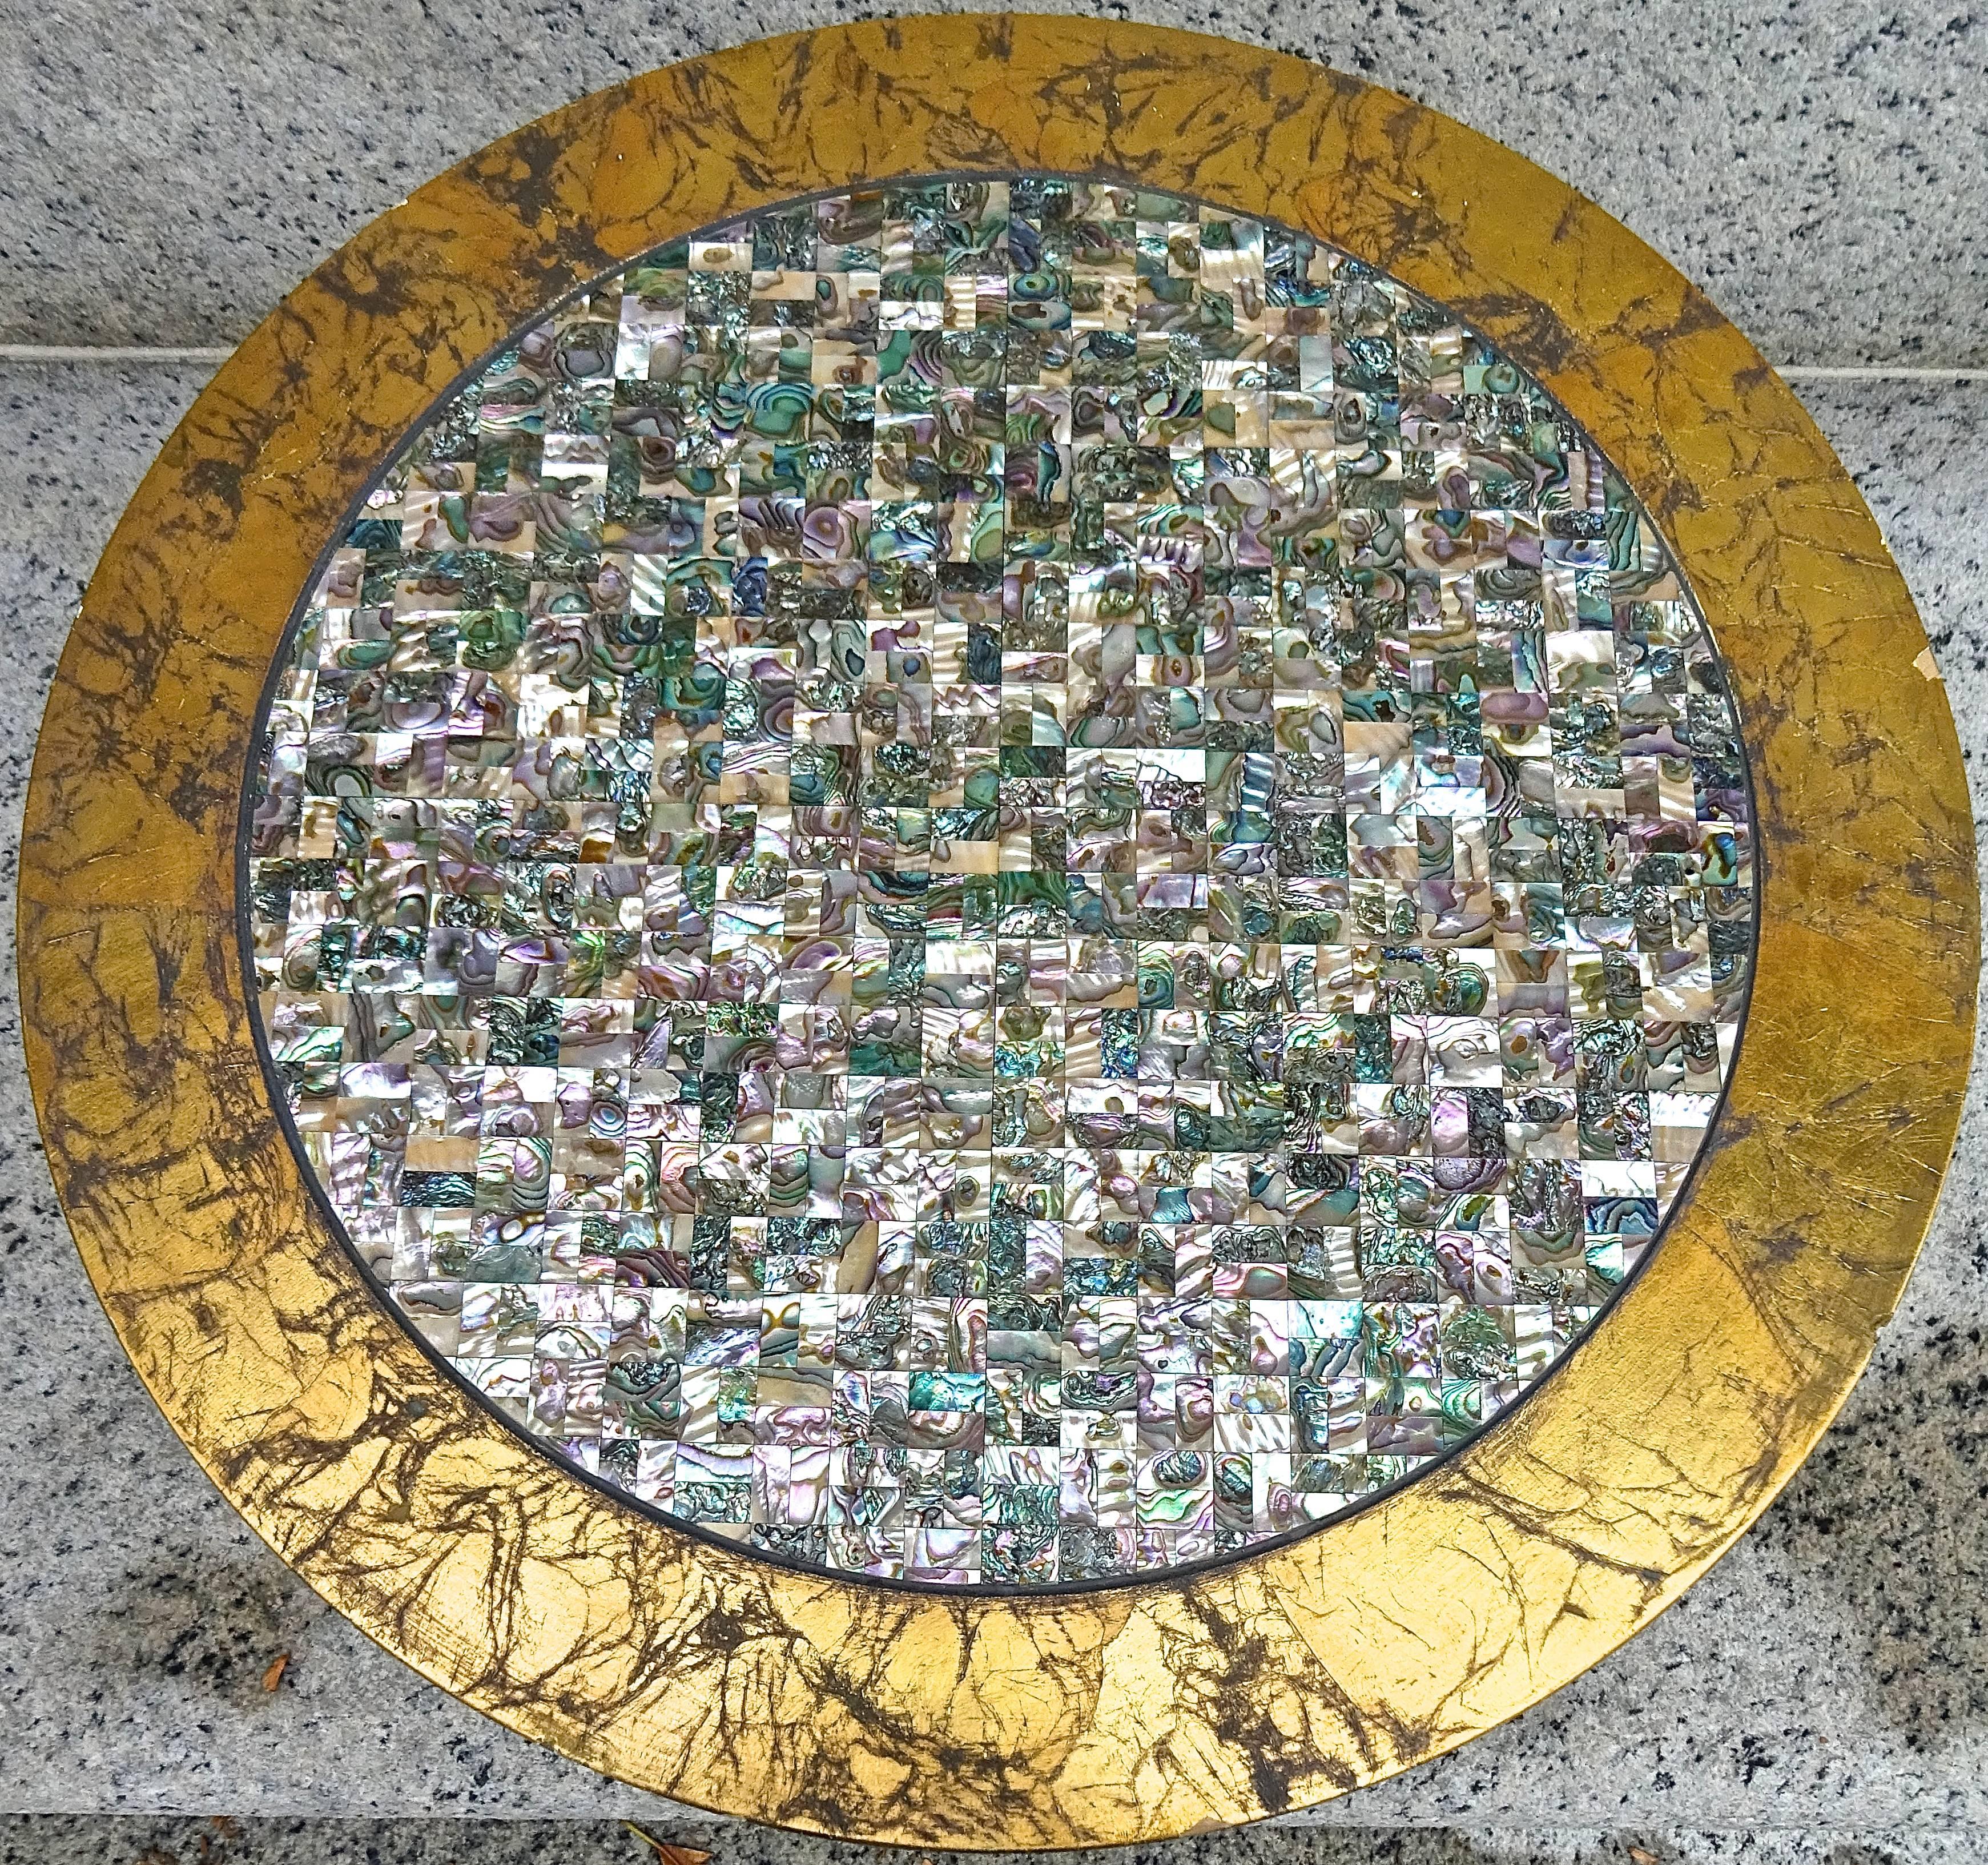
1821 166
1832 1670
96 1840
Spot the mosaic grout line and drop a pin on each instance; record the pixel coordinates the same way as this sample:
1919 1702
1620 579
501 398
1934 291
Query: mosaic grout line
168 353
1789 372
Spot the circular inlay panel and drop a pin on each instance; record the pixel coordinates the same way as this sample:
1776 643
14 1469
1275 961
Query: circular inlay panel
1004 881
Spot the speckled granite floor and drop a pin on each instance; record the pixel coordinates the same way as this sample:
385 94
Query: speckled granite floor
131 1841
1822 1697
1818 165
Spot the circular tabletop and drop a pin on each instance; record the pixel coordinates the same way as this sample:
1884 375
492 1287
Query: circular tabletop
998 931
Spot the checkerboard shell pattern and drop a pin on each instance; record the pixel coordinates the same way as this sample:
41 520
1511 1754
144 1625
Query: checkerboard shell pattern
1000 881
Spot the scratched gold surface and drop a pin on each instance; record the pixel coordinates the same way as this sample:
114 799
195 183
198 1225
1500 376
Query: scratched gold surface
973 1722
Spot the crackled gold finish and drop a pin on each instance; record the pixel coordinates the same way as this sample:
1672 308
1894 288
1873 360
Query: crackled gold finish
1377 1642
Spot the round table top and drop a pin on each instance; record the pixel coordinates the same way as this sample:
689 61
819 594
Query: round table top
885 929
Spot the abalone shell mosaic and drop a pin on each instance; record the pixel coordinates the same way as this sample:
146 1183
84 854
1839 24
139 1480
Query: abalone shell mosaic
1000 882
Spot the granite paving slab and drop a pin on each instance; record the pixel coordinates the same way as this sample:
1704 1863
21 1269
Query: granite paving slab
1821 168
98 1839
